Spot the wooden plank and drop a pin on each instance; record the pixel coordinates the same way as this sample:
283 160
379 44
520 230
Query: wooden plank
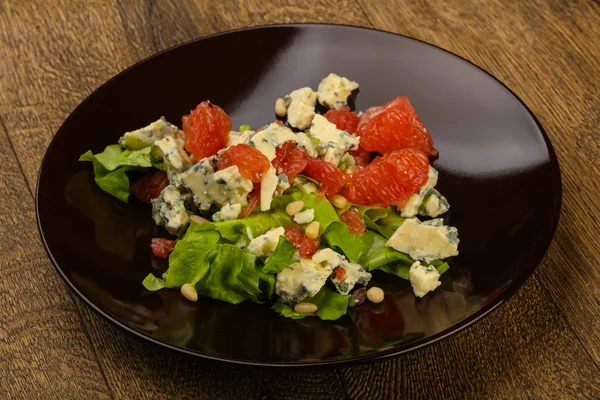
44 350
547 52
523 350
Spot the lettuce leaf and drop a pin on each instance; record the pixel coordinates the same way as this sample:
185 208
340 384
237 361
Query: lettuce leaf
282 257
382 220
332 305
339 238
220 271
111 167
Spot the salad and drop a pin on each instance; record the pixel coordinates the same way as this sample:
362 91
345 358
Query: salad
297 213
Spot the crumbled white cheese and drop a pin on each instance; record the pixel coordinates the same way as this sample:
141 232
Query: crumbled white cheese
264 245
146 136
273 136
334 142
427 241
168 210
423 279
354 273
300 280
301 108
221 187
268 185
334 90
434 204
235 137
305 217
305 144
227 213
411 207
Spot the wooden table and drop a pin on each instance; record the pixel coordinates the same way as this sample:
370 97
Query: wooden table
543 343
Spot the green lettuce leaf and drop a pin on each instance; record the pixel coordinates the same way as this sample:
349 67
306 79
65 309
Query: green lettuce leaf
382 220
153 283
282 257
232 276
339 238
188 263
332 305
261 222
111 167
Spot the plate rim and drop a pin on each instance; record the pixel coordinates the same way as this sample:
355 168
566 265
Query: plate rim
396 351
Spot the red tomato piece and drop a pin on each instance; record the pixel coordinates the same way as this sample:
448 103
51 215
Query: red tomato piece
331 178
206 129
253 199
356 224
251 162
162 247
390 179
340 274
343 119
394 126
306 247
289 160
149 186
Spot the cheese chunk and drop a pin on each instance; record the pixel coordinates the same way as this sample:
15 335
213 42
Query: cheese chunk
354 273
334 90
234 186
173 157
227 213
423 278
146 136
411 207
235 137
334 142
427 241
305 217
268 185
434 204
300 280
301 108
273 136
168 210
263 246
221 187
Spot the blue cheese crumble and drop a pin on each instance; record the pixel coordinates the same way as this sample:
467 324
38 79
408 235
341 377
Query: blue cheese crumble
227 213
334 90
146 136
300 280
426 241
333 142
301 108
355 273
263 246
423 278
168 210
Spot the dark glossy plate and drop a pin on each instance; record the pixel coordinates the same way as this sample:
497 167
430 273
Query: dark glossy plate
497 168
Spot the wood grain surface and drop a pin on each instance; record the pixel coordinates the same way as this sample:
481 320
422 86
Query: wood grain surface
543 343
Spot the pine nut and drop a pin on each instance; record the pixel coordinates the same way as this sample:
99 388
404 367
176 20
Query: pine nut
189 292
198 219
312 230
339 201
280 107
375 295
306 308
294 207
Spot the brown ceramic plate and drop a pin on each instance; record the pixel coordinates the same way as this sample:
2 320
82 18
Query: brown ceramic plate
497 168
